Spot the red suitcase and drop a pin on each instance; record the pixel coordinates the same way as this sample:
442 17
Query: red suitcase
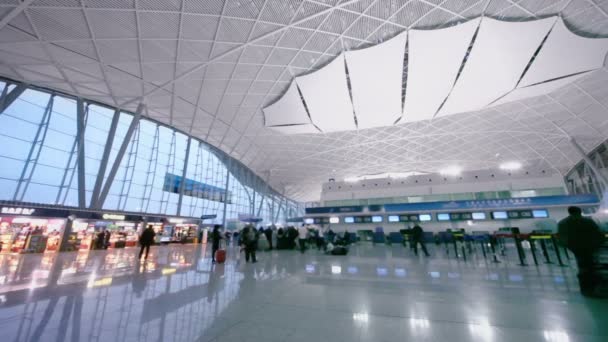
220 256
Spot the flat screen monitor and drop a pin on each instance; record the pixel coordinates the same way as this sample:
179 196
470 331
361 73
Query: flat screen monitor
499 215
309 220
466 216
334 220
393 218
425 217
377 219
525 214
349 219
443 217
479 216
541 213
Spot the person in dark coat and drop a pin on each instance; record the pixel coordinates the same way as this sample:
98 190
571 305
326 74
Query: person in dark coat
216 237
106 239
583 237
268 233
146 240
100 240
249 238
418 238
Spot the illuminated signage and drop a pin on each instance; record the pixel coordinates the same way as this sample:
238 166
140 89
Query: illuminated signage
18 211
167 271
176 220
101 282
113 217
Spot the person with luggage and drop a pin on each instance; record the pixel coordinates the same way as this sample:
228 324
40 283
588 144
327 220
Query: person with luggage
216 237
583 237
302 235
418 238
249 241
146 240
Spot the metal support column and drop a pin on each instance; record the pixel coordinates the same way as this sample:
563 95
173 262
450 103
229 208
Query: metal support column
104 159
182 185
598 174
80 127
9 97
121 152
34 154
226 195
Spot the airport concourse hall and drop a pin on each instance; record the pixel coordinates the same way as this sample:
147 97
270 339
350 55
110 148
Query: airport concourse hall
304 170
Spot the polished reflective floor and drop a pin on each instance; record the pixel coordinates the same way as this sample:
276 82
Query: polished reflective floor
376 293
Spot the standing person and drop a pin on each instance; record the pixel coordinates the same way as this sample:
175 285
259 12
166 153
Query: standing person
249 238
106 239
100 239
146 240
268 233
216 237
418 238
302 234
583 237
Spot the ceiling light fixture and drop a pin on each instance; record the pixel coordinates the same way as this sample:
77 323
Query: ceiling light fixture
454 170
393 175
510 166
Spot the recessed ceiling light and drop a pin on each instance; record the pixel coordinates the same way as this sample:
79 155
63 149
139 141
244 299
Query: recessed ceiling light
510 166
454 170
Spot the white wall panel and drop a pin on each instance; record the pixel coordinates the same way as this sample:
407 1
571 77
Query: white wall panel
295 129
539 89
498 58
376 77
565 53
326 94
289 109
434 59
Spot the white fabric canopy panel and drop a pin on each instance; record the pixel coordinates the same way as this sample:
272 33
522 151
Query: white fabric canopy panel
500 53
435 56
288 110
539 89
327 98
565 53
376 79
295 129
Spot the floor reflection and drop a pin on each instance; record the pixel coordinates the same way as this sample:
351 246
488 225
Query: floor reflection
178 295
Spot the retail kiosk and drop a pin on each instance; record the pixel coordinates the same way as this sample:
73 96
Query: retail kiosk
31 230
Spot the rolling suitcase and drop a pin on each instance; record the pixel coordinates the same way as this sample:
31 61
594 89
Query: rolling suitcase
220 256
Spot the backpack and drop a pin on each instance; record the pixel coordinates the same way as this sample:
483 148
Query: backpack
250 236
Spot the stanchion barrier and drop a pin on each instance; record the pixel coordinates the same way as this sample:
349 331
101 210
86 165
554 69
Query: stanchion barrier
543 247
520 250
557 253
533 251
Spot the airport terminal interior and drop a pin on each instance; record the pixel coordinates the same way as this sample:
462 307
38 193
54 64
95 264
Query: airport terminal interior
297 170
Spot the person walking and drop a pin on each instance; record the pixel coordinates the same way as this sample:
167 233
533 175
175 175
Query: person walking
216 237
146 240
268 234
302 235
583 237
106 239
418 238
250 240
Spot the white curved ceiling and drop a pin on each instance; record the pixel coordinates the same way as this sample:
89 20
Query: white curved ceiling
462 68
209 67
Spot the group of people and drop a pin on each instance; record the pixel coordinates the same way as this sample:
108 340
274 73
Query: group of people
579 234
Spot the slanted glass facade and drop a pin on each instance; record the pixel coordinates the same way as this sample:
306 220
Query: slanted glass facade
128 163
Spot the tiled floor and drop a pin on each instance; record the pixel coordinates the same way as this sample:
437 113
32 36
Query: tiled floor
376 293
